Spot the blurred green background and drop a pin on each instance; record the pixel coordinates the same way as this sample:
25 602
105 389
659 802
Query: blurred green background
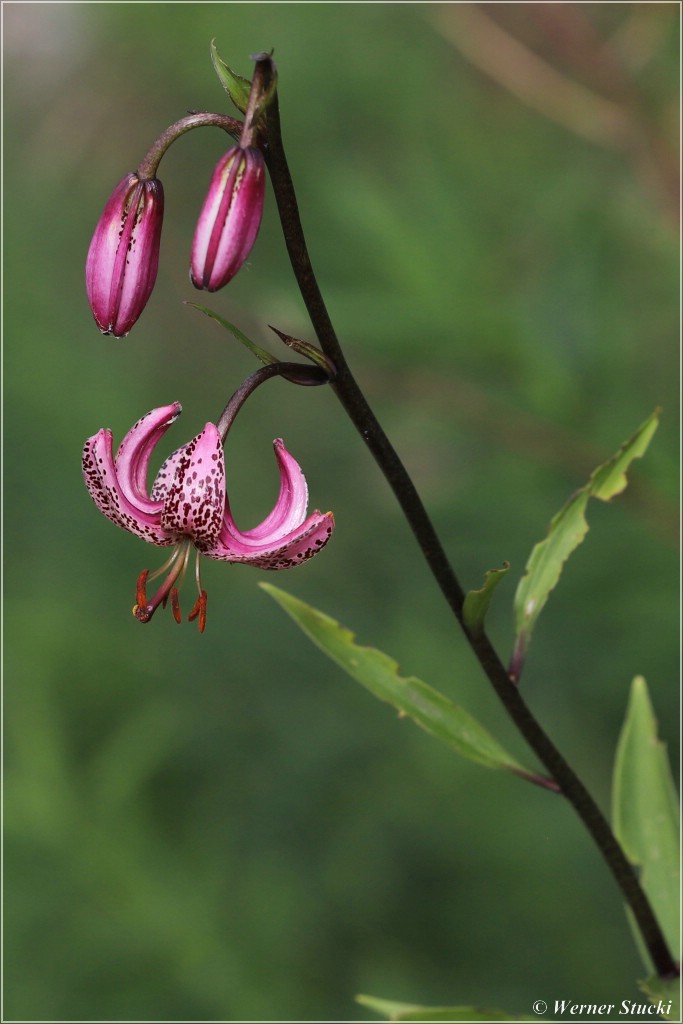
224 827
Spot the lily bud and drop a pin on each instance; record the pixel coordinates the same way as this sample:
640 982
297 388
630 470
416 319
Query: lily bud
230 218
123 257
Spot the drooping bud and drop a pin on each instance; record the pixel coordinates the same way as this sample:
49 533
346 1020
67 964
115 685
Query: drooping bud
230 218
123 257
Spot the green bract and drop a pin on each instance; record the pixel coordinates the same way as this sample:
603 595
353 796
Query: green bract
477 602
237 87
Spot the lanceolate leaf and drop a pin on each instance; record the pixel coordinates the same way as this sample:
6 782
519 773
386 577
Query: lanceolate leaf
407 1011
477 601
645 811
567 530
379 674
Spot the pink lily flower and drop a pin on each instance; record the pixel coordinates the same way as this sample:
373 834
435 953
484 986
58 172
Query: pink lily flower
123 257
230 218
187 507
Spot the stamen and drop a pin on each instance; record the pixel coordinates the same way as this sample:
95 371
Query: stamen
140 590
176 565
186 559
169 561
141 609
175 605
199 610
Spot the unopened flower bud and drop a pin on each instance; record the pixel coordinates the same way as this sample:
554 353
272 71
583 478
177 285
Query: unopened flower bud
230 218
123 257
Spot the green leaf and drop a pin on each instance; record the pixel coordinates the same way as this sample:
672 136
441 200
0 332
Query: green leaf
645 811
260 353
666 995
567 530
237 87
477 601
406 1011
379 674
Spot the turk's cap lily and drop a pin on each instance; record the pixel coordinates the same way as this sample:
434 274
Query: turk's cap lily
187 507
230 218
123 257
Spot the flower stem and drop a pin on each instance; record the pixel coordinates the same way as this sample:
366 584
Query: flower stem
199 119
295 373
261 84
354 402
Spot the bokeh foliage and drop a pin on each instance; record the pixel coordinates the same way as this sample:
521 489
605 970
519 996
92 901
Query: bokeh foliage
224 827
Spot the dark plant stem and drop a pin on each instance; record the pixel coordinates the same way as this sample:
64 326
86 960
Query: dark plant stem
354 402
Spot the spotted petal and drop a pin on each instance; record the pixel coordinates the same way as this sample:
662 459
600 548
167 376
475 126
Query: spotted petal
278 552
285 537
102 481
192 482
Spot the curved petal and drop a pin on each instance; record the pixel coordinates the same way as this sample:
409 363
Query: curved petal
277 552
132 459
101 479
164 477
290 508
194 498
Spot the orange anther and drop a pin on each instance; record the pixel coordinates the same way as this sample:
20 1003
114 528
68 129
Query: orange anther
175 605
141 591
199 610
